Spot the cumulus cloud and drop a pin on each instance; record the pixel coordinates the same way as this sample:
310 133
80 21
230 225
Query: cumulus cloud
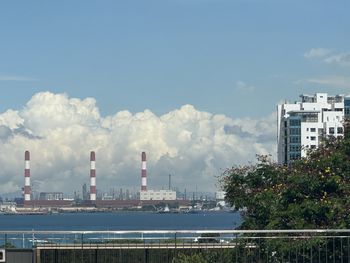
242 86
317 53
60 132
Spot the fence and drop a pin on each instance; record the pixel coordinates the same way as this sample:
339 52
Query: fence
316 245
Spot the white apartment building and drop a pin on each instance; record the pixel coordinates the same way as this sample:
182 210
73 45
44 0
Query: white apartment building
157 195
302 125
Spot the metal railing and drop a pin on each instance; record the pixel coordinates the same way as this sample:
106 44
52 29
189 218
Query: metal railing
313 245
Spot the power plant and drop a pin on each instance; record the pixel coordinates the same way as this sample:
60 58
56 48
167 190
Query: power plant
145 194
144 197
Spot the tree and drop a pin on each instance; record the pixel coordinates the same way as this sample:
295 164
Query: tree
310 193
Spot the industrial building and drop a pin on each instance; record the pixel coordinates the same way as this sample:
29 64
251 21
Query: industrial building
303 125
145 194
51 196
55 199
157 195
220 195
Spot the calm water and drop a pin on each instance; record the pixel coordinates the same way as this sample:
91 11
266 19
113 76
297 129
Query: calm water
120 221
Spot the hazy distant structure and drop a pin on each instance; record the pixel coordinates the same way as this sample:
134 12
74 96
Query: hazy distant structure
51 196
148 195
92 177
27 188
121 194
220 195
143 172
127 199
85 192
157 195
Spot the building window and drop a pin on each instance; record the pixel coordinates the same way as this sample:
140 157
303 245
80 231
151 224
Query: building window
313 138
340 130
310 118
294 139
294 122
307 129
294 131
331 130
313 129
294 156
347 111
313 146
294 148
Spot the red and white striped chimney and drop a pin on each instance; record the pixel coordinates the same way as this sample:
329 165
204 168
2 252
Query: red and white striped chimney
143 172
92 177
27 189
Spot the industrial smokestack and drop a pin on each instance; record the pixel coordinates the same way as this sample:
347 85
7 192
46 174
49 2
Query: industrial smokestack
27 189
92 177
143 172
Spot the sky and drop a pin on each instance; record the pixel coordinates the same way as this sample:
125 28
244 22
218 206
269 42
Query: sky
194 83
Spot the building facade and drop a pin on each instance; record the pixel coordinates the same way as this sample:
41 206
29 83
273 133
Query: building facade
51 196
157 195
303 125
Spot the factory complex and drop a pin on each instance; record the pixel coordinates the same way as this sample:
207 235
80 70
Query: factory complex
55 200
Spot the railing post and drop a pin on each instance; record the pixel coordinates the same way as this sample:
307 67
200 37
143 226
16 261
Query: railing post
175 239
175 254
146 255
82 247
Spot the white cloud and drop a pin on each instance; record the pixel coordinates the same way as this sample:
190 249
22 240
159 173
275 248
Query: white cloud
329 56
61 131
342 59
331 81
242 86
317 53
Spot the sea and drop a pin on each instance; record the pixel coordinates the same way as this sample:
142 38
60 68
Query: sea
114 221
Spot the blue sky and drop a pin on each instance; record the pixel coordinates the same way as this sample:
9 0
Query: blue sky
238 58
78 76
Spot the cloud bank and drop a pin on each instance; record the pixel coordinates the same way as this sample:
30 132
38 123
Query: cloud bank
317 53
59 131
335 81
329 56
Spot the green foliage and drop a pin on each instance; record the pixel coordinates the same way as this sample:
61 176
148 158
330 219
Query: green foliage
310 193
8 245
208 256
194 258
